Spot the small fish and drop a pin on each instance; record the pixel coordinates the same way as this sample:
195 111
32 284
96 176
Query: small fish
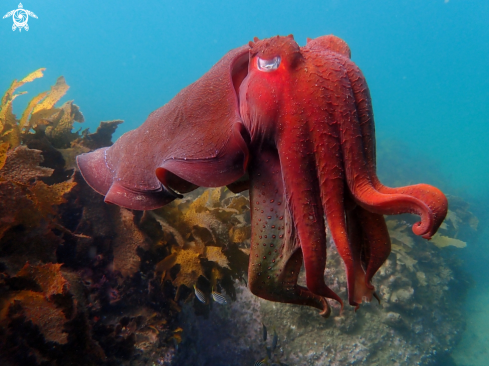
200 295
262 362
264 333
269 352
219 298
274 340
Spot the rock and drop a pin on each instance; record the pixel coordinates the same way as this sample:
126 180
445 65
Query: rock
402 296
410 323
392 319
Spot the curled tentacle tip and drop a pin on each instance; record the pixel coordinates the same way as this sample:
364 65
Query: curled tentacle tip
326 312
424 232
421 229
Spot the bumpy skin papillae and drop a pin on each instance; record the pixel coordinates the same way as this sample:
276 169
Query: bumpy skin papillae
276 255
299 122
355 117
274 111
303 123
424 200
324 141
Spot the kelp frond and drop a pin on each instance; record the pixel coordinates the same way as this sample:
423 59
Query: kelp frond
39 115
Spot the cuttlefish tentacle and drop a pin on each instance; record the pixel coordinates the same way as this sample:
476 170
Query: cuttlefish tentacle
303 194
370 239
275 255
351 103
328 175
376 239
363 248
357 169
325 130
425 200
334 207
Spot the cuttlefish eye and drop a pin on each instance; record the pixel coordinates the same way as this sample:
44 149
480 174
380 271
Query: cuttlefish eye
268 65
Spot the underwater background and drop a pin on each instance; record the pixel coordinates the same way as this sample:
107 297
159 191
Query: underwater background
425 61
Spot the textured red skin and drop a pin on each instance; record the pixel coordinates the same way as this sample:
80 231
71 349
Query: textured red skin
197 136
304 134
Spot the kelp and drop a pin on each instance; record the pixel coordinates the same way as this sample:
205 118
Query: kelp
54 285
22 166
73 268
10 128
100 138
26 200
460 223
205 234
190 266
408 249
216 217
40 114
442 241
38 305
128 240
3 153
28 214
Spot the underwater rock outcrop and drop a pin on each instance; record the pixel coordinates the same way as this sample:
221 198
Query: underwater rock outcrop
418 321
87 283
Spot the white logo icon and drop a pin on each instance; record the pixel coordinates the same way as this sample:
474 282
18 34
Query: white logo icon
20 17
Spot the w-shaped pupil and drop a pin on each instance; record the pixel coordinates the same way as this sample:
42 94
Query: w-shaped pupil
268 65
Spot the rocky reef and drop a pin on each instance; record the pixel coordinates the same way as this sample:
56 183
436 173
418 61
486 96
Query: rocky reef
87 283
418 321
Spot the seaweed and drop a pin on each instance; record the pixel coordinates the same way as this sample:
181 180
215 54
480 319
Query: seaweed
102 283
442 241
214 225
64 254
10 127
84 283
39 305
